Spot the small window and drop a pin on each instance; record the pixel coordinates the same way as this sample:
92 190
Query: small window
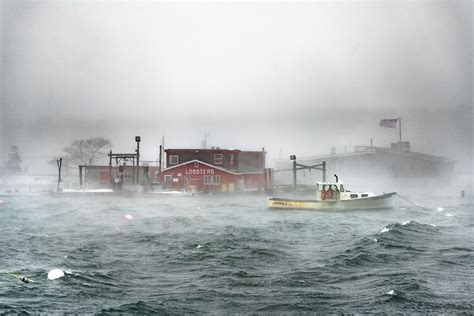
218 159
342 188
173 159
168 178
196 165
354 196
216 180
364 195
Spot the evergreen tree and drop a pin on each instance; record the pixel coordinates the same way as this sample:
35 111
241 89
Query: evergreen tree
13 165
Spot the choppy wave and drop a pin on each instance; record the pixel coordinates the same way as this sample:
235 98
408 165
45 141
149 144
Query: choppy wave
231 257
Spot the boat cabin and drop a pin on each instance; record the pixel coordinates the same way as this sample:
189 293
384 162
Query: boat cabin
336 191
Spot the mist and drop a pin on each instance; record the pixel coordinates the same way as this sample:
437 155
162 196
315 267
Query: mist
295 78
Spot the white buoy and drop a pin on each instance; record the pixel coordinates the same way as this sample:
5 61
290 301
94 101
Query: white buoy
128 217
55 274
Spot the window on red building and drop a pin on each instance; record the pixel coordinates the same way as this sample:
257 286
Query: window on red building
212 180
218 159
168 178
173 159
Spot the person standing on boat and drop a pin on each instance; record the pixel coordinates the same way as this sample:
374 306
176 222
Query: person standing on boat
337 193
327 194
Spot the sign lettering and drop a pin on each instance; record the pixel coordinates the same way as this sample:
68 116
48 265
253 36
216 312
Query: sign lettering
199 171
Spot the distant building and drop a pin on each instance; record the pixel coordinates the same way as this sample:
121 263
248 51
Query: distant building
119 178
375 162
213 170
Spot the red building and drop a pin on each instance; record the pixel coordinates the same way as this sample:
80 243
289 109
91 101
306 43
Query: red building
212 170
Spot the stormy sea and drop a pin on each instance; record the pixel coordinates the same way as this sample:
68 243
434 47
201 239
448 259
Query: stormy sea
230 254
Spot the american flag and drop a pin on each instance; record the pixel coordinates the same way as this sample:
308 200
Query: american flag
392 123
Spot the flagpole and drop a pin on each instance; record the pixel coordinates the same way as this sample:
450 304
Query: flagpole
400 128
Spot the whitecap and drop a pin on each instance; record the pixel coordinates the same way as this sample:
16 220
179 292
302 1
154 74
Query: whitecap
385 229
376 240
128 217
405 223
198 246
55 274
440 209
391 292
449 214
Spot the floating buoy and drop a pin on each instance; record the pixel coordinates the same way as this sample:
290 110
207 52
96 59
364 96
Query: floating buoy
128 217
55 274
21 278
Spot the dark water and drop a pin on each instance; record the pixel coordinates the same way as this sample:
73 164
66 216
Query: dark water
185 255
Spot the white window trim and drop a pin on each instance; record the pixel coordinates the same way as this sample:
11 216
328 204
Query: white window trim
212 180
177 159
218 157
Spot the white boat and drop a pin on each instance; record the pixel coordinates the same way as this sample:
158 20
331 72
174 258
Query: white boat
334 196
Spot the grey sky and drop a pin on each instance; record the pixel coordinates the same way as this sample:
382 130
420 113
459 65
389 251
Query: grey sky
292 77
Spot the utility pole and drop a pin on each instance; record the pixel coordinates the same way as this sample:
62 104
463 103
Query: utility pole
60 164
138 139
400 128
161 154
293 157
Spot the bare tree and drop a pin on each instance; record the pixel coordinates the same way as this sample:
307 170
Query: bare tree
84 151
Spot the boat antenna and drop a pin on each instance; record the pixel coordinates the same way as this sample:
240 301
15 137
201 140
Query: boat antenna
337 178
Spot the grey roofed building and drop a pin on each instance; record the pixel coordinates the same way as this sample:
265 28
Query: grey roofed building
373 162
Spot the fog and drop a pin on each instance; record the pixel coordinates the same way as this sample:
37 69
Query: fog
295 78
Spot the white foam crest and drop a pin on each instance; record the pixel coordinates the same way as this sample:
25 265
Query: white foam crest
440 209
391 292
449 215
198 246
55 274
384 230
405 223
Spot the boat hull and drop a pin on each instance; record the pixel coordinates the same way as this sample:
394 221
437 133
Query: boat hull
384 201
